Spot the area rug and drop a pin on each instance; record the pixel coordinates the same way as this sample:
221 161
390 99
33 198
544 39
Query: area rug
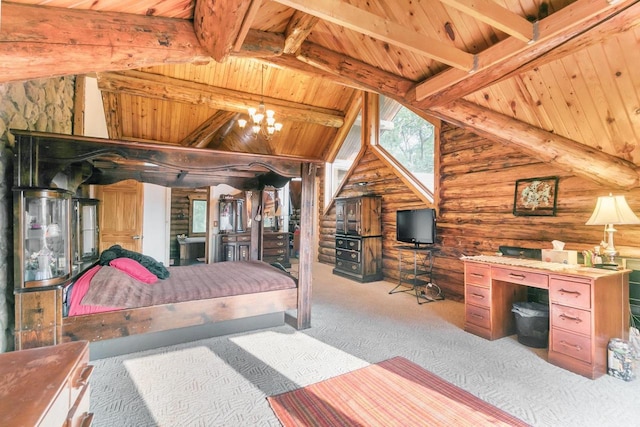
395 392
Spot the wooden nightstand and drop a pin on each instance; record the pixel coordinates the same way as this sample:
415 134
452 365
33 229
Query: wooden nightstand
46 386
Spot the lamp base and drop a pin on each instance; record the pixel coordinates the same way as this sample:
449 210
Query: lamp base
610 251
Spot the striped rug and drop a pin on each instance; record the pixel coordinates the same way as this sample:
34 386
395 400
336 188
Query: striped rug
395 392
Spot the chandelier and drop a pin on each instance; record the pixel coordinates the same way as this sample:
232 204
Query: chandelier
263 121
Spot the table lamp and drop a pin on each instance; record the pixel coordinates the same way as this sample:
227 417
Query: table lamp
611 210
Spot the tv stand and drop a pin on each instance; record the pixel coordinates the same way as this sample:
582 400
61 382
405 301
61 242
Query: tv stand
415 267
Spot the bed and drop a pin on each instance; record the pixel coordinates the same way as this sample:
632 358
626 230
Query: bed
47 160
106 302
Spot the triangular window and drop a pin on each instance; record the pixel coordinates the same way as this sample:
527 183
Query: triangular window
409 140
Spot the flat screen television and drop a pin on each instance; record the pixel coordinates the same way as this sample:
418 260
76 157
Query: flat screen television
416 226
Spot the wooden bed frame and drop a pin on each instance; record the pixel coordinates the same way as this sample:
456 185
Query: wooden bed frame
157 318
41 158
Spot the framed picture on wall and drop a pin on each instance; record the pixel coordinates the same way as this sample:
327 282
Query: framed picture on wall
536 196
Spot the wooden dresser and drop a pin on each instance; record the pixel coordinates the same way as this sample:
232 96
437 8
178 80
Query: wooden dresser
46 386
359 238
588 307
275 248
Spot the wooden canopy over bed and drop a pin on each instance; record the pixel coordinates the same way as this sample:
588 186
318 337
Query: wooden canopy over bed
44 160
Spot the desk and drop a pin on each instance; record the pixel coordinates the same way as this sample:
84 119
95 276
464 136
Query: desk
191 249
415 267
588 306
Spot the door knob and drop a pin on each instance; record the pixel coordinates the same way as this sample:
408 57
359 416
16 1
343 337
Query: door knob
136 237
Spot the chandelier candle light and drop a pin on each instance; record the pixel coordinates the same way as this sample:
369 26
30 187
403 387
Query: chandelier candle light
259 125
611 210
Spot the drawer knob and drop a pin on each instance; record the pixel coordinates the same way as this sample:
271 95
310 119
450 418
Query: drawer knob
354 267
517 276
83 379
87 420
477 275
478 295
477 315
574 346
575 293
573 319
354 256
339 252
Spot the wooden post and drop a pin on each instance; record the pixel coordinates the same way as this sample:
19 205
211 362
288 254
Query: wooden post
256 226
307 206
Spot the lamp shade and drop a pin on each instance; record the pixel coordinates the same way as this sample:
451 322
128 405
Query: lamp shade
612 210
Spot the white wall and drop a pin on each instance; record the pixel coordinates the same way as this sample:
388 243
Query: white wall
155 225
95 122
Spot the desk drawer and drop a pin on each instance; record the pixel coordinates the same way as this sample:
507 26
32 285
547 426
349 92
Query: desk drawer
477 274
282 259
79 415
536 280
348 255
478 316
274 252
574 293
352 267
574 345
572 319
275 243
350 244
477 295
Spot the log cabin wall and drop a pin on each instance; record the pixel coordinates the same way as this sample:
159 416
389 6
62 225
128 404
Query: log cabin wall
477 187
475 213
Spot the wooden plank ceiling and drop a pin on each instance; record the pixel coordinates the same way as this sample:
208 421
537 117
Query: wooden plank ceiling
182 72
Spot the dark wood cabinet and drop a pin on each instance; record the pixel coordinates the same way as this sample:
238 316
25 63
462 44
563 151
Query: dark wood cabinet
234 247
275 248
359 238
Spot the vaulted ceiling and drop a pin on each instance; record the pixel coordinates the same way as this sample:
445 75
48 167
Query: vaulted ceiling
559 77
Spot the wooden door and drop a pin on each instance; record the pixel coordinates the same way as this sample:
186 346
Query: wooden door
121 211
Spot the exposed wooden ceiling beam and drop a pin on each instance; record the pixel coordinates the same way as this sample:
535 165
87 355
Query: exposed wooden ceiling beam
292 63
161 87
202 136
261 44
624 21
345 15
222 133
246 24
298 29
491 13
362 74
570 155
510 53
38 42
217 25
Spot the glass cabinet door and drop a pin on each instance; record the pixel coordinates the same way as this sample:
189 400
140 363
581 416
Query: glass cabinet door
43 238
85 230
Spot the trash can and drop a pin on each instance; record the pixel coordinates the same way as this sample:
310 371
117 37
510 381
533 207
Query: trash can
532 323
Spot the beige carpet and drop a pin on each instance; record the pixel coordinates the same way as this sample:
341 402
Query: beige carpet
224 381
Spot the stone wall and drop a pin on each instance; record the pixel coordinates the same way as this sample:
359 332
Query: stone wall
41 105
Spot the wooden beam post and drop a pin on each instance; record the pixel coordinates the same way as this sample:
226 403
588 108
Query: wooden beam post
305 279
